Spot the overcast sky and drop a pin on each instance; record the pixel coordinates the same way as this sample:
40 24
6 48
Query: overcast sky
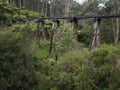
80 1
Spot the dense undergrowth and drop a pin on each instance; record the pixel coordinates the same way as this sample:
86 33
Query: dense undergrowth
26 66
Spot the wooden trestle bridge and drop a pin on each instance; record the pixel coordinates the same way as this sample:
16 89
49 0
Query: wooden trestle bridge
95 37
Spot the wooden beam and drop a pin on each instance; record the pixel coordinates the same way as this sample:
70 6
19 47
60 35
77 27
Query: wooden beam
77 17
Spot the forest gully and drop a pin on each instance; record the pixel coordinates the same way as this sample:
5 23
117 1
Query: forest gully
59 44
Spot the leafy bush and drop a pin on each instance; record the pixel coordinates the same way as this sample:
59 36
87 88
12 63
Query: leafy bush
11 11
68 42
33 14
74 71
106 60
16 61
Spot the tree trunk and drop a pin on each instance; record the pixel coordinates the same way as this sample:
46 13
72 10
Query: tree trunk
19 3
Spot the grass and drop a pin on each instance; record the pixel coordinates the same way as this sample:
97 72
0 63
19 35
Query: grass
42 52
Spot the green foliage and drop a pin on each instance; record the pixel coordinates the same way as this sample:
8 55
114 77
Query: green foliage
26 27
78 70
74 71
106 32
8 7
27 67
48 24
105 60
48 27
67 41
19 16
11 11
22 66
76 7
33 14
23 11
7 10
44 74
7 15
42 53
71 71
16 61
84 32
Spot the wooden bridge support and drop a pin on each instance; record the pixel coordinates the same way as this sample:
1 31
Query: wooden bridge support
24 21
74 23
57 34
41 33
14 21
38 34
53 38
95 37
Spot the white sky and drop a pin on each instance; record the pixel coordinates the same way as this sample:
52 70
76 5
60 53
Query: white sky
80 1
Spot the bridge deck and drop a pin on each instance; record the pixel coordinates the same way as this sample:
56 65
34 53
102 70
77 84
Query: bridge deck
70 18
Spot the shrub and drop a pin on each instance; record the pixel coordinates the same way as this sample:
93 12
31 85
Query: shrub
16 70
105 60
74 71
